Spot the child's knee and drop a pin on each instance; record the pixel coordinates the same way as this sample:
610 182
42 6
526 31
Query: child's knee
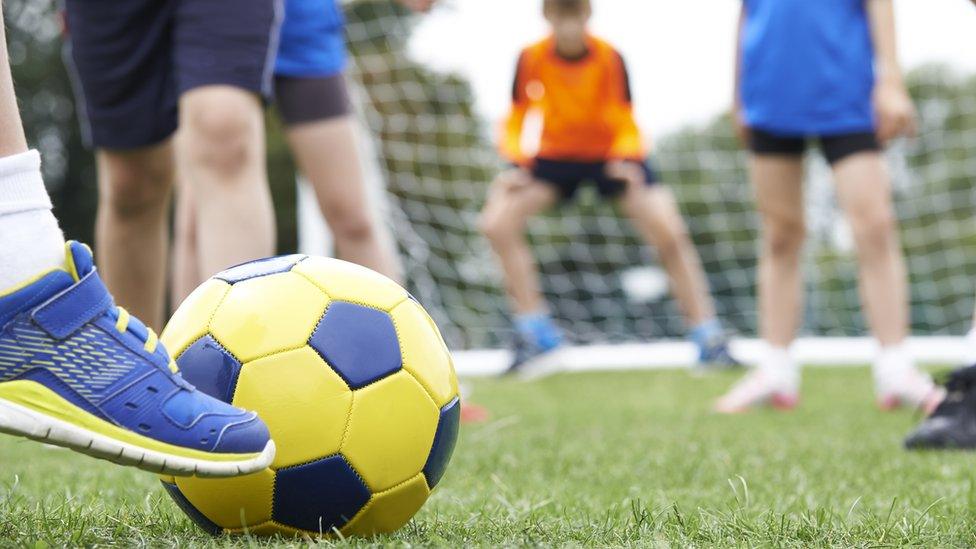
784 238
498 226
489 225
137 187
875 230
352 226
223 137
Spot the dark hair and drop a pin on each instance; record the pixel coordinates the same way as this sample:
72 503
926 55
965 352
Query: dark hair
566 5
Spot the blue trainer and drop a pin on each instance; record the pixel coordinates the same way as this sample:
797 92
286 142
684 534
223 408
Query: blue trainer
713 347
536 335
79 372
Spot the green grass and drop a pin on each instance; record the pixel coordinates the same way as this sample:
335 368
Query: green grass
596 460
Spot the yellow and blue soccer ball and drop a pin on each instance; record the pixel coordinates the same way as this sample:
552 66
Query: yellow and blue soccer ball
353 379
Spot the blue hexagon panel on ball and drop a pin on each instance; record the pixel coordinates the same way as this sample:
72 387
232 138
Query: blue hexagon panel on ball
445 440
359 342
298 499
210 368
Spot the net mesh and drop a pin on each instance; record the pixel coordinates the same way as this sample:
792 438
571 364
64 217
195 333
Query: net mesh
602 284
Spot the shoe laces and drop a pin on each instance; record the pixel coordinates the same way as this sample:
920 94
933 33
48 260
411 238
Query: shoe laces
126 323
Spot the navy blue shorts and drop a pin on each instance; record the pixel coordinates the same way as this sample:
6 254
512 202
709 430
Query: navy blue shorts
131 60
567 176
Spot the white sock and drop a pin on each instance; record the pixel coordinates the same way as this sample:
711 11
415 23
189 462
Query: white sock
778 363
892 363
31 241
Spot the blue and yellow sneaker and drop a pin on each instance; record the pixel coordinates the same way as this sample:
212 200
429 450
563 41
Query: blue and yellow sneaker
79 372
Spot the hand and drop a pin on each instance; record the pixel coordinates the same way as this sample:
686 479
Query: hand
420 6
894 110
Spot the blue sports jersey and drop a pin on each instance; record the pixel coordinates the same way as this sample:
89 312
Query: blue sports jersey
312 39
807 67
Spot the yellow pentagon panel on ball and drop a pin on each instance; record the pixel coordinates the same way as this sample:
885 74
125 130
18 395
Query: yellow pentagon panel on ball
424 353
304 402
388 511
344 281
391 431
266 315
192 320
251 496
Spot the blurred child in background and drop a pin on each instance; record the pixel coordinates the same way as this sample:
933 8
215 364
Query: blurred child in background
142 68
580 86
824 71
313 103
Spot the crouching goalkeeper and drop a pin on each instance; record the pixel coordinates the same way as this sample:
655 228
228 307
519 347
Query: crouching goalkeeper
580 86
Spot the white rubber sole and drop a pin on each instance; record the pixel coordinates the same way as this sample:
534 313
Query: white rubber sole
22 421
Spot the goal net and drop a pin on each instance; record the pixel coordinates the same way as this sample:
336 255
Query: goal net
436 158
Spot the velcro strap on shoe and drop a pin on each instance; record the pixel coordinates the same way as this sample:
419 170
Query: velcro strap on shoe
68 311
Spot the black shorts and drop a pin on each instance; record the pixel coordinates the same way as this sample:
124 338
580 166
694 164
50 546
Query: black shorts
302 99
131 60
835 147
568 175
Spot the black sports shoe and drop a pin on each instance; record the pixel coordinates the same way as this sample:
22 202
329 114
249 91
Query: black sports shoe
953 423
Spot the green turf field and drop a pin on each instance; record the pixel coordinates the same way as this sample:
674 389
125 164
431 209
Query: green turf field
591 459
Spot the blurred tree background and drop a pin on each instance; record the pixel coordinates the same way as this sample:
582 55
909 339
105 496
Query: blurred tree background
436 157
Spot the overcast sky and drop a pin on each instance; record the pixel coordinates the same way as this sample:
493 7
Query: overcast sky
679 51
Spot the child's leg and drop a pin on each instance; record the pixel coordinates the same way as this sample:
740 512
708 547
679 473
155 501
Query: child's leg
514 198
222 154
656 217
12 139
326 153
35 312
321 132
30 239
864 192
778 184
131 230
186 264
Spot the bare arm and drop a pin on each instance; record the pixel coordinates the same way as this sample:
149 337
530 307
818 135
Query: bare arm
893 106
741 130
